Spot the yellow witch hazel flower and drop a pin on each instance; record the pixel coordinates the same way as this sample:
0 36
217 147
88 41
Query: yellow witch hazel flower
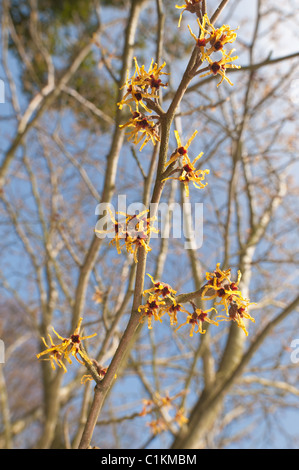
180 417
160 288
172 311
157 404
216 39
237 313
193 6
142 85
143 128
196 319
158 303
221 287
220 66
188 171
134 243
140 88
55 353
181 149
151 310
98 296
150 81
135 95
68 346
157 426
166 403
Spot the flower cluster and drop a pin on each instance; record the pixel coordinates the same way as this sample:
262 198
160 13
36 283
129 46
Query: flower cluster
165 405
142 89
212 40
155 306
142 85
219 287
134 231
68 346
161 300
187 170
227 293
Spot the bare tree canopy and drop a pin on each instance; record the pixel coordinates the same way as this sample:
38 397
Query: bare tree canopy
149 224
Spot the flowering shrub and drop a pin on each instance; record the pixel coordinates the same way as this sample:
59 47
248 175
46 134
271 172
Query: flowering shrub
149 123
